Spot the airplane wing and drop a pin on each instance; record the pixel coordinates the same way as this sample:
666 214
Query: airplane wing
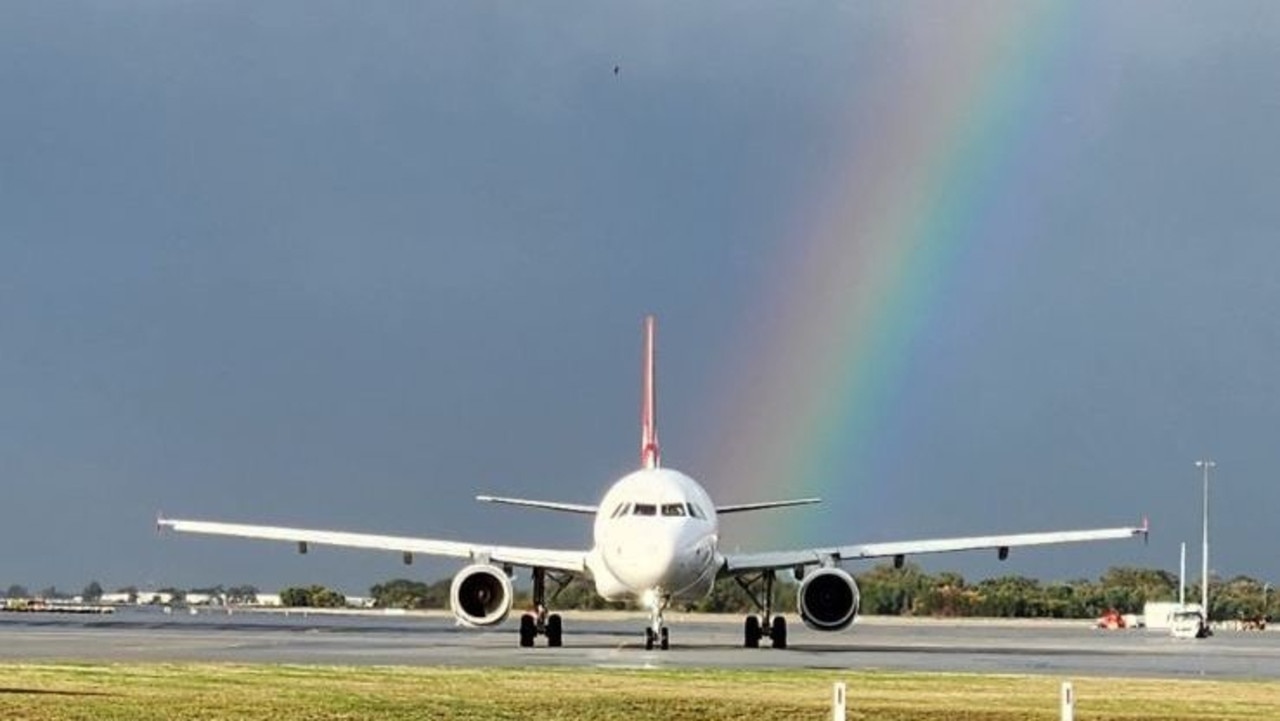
740 507
746 562
545 505
572 561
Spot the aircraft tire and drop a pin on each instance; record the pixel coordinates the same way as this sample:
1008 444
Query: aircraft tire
528 630
751 632
778 632
555 631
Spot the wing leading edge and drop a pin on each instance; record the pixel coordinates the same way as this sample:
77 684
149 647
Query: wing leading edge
572 561
745 562
742 507
545 505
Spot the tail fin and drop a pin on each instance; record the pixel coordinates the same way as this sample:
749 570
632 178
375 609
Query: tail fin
649 455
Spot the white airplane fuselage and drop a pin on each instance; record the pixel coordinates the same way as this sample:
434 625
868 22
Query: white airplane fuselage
656 539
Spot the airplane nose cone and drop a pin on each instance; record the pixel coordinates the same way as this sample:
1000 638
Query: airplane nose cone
645 564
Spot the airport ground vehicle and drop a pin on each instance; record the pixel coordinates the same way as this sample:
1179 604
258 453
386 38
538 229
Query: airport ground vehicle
1188 624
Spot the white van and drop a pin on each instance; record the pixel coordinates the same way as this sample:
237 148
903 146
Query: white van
1187 624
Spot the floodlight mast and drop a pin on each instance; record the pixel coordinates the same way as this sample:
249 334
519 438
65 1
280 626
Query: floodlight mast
1182 576
1205 465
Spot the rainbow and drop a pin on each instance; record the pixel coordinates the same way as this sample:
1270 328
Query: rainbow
938 136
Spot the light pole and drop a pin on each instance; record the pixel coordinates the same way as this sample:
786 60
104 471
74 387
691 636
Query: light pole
1205 465
1182 576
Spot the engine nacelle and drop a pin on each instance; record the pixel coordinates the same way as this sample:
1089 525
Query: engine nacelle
828 599
480 595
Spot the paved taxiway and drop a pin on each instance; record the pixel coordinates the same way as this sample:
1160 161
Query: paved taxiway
610 641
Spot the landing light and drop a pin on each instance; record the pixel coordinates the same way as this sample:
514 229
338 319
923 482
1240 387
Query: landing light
649 599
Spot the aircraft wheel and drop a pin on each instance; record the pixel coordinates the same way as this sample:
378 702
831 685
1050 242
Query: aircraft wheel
778 633
648 639
555 631
751 632
664 639
528 629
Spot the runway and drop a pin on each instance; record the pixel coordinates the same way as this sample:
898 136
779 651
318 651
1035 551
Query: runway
612 640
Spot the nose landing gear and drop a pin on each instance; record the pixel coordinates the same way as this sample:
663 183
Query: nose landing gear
656 633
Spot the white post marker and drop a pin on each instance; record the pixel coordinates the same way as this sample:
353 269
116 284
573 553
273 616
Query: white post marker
1068 702
837 701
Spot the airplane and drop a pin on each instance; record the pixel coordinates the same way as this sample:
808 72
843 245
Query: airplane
656 541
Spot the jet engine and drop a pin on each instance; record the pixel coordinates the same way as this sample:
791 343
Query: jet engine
827 599
480 595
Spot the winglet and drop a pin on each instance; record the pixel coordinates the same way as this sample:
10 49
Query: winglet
650 456
1146 531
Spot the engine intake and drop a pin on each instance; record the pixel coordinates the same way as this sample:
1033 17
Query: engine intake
828 599
480 595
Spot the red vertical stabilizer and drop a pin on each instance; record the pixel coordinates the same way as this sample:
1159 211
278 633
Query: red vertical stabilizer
649 455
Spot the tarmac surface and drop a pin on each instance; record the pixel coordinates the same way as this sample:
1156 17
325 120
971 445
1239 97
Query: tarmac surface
616 641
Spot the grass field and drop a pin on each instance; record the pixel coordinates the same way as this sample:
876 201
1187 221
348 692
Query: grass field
40 692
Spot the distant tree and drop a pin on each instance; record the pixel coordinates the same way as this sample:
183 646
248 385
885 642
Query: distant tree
242 594
1239 598
50 593
404 593
314 596
16 591
1006 596
893 591
295 597
580 594
1141 584
327 598
947 595
726 597
92 592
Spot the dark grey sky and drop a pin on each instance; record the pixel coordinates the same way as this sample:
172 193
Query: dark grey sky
345 265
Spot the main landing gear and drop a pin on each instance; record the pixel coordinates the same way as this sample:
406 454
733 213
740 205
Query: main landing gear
539 622
760 588
656 634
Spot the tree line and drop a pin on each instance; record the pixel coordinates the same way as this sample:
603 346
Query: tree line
886 590
93 592
910 591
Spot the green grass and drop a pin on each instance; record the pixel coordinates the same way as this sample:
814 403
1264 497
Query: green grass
175 692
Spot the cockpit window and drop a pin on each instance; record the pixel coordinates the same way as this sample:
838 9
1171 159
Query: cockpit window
621 510
673 509
645 509
695 511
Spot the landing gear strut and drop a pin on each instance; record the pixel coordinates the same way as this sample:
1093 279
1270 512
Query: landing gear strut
539 622
656 633
760 588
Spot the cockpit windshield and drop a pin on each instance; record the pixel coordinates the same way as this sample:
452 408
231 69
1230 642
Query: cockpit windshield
669 510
